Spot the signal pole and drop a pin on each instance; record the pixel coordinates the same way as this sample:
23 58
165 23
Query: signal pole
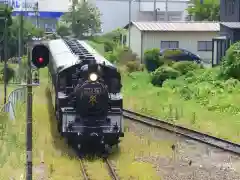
38 54
29 117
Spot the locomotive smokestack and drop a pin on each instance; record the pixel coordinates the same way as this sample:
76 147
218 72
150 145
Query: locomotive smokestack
92 67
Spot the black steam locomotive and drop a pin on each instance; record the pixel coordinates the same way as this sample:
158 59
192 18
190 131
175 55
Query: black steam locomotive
86 93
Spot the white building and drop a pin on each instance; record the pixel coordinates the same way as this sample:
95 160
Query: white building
48 14
115 13
195 37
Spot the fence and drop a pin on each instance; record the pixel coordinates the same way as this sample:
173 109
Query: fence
14 97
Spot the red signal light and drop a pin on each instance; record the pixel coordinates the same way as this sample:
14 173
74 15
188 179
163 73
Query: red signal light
40 60
40 56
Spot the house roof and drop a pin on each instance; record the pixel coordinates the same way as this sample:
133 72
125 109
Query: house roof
177 26
232 25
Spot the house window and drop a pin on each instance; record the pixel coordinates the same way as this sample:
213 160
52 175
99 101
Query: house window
204 45
169 44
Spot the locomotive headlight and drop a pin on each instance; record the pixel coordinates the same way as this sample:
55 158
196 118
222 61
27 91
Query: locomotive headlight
93 76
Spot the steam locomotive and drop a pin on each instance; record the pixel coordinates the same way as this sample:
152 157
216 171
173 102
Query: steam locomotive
86 94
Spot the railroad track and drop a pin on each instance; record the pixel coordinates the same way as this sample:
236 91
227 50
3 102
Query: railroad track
84 170
191 134
111 170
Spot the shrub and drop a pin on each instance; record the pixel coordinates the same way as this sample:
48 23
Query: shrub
121 55
167 62
133 66
163 73
126 55
108 46
152 59
185 66
230 66
10 74
111 56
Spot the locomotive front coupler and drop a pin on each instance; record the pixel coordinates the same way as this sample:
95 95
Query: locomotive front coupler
70 127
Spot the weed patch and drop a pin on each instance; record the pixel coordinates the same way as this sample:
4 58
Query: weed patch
12 144
198 100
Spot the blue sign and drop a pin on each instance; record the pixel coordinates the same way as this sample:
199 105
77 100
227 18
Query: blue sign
15 4
22 5
26 7
41 14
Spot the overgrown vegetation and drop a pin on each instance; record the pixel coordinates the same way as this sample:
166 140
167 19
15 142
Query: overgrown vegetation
12 145
199 98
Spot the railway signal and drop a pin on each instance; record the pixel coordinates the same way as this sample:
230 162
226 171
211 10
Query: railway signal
40 56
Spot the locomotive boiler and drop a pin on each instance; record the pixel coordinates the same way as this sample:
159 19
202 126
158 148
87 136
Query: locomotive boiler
86 94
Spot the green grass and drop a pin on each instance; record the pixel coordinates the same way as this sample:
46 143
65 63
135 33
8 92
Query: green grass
97 46
211 110
12 144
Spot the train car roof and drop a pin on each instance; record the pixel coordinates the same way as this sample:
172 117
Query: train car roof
99 58
61 54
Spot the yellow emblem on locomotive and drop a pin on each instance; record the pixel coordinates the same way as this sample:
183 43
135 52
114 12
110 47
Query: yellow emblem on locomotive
93 99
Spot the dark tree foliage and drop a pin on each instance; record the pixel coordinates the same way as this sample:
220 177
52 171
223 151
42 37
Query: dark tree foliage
208 10
13 35
86 20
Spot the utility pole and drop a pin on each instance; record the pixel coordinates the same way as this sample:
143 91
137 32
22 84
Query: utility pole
29 116
37 14
166 13
129 22
20 37
5 55
155 10
74 2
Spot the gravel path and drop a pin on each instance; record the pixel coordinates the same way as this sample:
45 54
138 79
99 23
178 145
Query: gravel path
191 160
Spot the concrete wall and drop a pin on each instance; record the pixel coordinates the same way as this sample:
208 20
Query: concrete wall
135 41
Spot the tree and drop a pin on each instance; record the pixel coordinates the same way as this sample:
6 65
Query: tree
205 10
63 30
84 19
28 28
117 35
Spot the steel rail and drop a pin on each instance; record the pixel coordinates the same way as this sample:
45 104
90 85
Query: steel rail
111 170
84 170
189 133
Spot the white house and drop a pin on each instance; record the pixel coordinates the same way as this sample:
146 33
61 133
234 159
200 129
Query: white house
195 37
